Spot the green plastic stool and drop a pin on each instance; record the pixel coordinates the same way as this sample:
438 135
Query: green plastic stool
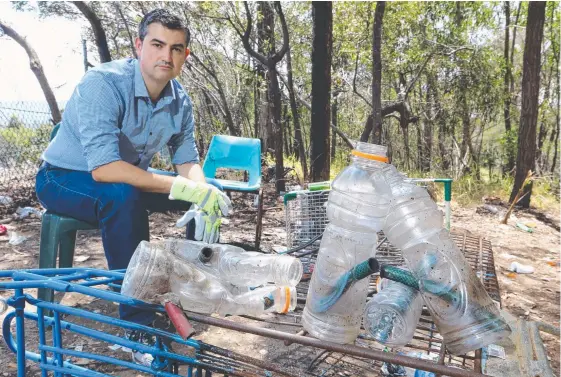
58 236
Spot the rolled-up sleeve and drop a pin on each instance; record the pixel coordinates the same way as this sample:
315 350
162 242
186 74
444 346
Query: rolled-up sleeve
183 143
98 120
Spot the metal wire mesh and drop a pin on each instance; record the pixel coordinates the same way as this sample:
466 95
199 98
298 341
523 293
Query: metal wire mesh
25 128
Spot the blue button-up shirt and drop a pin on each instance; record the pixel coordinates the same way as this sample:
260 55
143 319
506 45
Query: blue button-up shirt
110 117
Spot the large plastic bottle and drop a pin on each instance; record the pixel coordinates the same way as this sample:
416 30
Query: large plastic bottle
155 276
464 313
237 266
391 316
356 213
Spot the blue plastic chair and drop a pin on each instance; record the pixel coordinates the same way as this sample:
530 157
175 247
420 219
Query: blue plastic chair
238 153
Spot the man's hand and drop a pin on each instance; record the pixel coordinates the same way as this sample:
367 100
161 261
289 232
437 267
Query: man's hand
207 227
209 199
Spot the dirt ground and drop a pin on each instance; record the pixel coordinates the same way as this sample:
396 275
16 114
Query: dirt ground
534 296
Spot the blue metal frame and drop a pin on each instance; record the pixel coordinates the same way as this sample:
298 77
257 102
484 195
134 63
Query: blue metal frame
84 281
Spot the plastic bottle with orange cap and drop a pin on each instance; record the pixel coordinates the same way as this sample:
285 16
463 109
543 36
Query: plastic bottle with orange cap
356 212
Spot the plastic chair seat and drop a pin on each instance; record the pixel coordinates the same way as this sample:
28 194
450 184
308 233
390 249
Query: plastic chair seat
58 238
238 185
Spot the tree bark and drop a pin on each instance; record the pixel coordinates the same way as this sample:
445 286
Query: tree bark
37 69
99 32
299 150
334 121
525 160
377 72
506 91
265 47
322 18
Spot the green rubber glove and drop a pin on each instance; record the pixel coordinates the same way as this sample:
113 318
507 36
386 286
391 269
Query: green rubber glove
209 199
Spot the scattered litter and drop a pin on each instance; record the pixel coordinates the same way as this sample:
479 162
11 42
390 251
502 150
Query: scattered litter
6 200
511 275
16 238
82 361
3 229
79 348
521 268
530 224
82 258
524 227
116 347
22 213
263 352
553 263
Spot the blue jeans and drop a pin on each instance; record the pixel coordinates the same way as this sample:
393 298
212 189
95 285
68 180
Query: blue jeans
118 209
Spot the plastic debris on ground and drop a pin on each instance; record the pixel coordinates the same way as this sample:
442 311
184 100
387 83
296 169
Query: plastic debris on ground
3 230
16 238
521 268
22 213
5 200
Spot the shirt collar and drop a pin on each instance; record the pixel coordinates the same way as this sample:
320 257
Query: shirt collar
168 94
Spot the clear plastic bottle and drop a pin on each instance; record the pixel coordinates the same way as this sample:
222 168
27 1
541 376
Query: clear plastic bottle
155 276
148 273
237 266
464 313
210 296
392 314
356 212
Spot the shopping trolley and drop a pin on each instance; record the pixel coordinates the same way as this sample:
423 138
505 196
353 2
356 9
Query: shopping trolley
55 323
305 221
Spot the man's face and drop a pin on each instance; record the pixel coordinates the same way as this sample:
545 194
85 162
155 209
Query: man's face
162 53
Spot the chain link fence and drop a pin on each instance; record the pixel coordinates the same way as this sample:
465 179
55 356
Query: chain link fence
25 129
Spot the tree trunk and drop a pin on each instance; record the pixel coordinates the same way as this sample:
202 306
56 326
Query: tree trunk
37 68
427 134
99 32
265 47
322 18
377 72
286 129
131 39
506 92
525 160
334 122
299 150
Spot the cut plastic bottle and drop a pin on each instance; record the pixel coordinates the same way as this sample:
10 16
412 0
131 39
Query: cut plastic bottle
356 213
156 276
391 316
236 266
464 313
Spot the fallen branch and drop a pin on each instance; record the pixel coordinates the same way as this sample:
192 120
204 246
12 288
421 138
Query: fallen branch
517 198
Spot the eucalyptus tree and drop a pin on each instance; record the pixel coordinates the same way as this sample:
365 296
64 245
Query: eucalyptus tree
322 17
269 61
525 160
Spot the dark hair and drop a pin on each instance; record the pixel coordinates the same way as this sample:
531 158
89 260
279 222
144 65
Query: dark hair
166 19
